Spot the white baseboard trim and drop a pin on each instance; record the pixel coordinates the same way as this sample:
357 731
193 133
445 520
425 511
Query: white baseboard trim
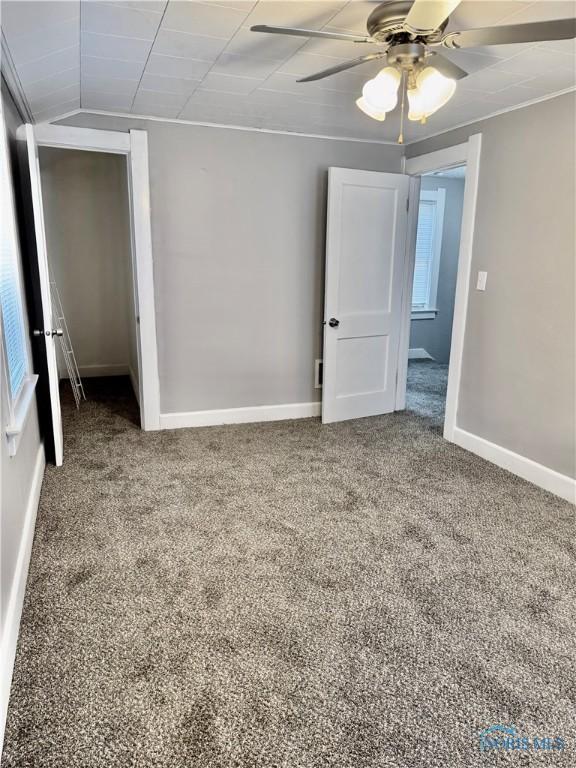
419 353
9 638
239 415
91 371
114 369
538 474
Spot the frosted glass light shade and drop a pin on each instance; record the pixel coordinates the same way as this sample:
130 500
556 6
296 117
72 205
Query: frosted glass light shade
416 105
381 93
438 88
365 106
433 90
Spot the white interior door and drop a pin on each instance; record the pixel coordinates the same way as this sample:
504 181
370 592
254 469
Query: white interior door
43 272
365 262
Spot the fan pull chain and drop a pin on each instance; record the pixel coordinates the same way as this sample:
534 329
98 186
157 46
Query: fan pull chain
403 86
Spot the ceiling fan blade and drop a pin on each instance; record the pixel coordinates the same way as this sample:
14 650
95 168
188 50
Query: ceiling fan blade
310 33
447 67
559 29
342 67
426 16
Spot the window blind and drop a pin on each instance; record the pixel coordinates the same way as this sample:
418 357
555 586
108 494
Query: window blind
425 238
10 299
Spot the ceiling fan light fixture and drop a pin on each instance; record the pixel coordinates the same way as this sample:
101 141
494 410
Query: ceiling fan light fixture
369 110
433 90
404 31
416 108
381 93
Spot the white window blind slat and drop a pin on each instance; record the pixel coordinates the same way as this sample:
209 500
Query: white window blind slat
425 238
428 249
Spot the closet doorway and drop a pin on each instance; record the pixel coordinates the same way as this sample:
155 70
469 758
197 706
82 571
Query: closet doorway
87 223
89 193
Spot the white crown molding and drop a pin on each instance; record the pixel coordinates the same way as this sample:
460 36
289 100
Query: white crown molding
13 82
61 116
503 111
177 121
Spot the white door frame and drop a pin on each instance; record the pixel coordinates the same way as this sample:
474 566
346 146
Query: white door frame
406 309
135 146
467 153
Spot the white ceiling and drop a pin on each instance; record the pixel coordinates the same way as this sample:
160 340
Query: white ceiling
199 61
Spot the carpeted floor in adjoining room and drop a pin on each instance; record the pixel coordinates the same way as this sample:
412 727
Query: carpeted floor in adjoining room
289 595
426 389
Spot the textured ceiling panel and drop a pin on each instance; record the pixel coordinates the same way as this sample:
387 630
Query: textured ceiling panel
200 61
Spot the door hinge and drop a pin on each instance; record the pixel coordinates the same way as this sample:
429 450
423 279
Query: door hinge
407 204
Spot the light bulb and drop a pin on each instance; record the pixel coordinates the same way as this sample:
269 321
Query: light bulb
434 91
416 109
365 106
381 93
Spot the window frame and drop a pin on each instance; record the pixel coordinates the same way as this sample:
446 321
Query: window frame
430 310
19 403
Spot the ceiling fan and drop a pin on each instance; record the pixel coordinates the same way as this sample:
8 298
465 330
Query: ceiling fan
404 32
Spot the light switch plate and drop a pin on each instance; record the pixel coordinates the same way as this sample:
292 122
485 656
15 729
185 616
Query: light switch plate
481 281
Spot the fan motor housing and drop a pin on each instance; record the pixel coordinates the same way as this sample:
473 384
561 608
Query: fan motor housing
406 55
387 20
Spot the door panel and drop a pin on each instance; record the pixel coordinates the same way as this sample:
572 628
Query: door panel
365 261
46 342
367 217
25 218
361 365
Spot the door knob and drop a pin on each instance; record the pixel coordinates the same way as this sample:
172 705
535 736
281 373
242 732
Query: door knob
55 332
333 323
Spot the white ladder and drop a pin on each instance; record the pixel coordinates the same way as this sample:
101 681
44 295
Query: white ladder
66 344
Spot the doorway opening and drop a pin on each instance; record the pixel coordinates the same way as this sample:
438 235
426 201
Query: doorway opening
89 252
439 223
134 147
371 235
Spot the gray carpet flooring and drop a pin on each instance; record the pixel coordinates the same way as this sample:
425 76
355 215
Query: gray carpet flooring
426 389
289 595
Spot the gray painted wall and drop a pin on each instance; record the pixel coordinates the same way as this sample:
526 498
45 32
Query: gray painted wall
240 250
88 235
518 373
435 335
238 227
238 234
17 471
